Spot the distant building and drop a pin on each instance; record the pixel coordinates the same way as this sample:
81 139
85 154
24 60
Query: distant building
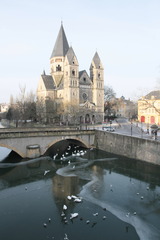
149 108
4 107
121 107
68 93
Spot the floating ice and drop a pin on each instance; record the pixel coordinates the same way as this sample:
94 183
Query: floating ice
7 165
144 230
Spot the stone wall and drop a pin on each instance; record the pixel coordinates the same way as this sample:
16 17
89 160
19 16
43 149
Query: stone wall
132 147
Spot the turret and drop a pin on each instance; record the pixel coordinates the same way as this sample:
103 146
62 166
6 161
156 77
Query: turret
71 83
97 78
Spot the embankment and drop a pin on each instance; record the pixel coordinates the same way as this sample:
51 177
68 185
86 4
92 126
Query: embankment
132 147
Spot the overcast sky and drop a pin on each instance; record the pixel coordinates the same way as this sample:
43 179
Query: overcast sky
125 33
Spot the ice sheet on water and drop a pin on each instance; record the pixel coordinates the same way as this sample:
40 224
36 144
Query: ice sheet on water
6 165
144 229
73 168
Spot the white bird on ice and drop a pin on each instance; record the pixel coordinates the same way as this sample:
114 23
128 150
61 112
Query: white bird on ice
45 172
64 207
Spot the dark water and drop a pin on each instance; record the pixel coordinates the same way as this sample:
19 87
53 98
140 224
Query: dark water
120 198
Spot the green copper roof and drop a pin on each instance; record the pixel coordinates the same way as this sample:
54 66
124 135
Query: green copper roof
61 46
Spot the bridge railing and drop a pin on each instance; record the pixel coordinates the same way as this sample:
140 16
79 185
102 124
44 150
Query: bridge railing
30 132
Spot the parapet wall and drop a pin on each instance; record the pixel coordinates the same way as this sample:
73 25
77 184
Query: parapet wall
132 147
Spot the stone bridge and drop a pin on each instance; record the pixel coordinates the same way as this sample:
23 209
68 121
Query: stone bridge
34 142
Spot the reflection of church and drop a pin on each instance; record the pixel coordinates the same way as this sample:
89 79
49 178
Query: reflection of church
68 92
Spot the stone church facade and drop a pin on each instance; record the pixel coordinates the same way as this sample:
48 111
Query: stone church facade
67 94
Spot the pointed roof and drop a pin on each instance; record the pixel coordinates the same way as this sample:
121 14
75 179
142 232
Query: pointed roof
70 55
96 60
84 78
48 82
61 46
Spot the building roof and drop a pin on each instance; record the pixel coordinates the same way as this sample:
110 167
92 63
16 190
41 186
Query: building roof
70 55
48 82
96 60
153 94
84 78
61 46
81 73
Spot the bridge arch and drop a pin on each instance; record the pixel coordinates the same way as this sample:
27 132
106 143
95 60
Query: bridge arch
32 143
12 149
65 143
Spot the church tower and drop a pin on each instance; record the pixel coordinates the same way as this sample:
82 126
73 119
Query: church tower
68 93
57 57
71 83
65 72
97 78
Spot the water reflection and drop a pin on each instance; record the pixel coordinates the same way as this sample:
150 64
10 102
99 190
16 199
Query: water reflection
111 186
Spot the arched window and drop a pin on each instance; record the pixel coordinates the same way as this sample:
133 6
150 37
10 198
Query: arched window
87 118
73 72
58 68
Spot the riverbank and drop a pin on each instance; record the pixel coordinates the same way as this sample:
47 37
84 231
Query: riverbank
132 147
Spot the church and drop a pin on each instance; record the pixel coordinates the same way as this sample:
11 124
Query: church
67 95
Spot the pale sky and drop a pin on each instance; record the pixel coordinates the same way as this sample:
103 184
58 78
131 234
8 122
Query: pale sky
125 33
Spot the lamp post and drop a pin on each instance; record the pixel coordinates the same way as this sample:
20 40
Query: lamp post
131 127
141 129
110 122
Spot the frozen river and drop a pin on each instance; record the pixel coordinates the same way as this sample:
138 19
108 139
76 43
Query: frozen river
117 198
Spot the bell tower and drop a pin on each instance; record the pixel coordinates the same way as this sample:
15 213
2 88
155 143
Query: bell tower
97 78
58 56
71 83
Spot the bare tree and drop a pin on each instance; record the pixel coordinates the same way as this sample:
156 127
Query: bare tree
109 101
71 112
145 104
109 93
23 108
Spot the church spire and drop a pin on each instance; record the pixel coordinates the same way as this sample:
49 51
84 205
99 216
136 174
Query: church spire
96 60
61 46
